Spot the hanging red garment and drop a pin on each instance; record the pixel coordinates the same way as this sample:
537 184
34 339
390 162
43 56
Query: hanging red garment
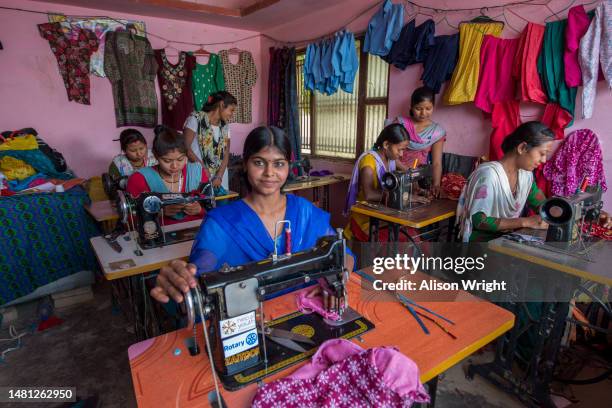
73 51
495 80
557 119
504 119
525 69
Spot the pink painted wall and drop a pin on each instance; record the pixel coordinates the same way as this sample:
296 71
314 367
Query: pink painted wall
468 131
32 93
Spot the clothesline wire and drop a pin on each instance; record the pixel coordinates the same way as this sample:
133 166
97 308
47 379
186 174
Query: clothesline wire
504 7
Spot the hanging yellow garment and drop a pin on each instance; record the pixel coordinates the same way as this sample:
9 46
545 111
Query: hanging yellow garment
464 82
27 142
15 169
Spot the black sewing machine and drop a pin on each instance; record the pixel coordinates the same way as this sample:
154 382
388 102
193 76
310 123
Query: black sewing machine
144 214
565 215
403 185
113 184
303 168
231 298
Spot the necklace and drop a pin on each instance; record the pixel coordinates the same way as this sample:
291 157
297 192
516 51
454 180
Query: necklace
172 182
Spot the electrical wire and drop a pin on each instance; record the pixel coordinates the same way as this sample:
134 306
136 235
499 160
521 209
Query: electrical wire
420 9
14 337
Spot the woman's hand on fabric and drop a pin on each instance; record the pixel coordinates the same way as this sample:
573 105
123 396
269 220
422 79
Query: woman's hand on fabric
173 281
173 209
534 222
216 181
192 208
605 220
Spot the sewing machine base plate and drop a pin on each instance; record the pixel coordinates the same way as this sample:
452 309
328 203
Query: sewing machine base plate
279 357
175 237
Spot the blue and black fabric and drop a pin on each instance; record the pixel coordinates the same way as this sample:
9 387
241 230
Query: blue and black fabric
440 61
412 45
384 29
44 237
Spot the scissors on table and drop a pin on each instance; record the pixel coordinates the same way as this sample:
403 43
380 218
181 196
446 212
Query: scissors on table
287 338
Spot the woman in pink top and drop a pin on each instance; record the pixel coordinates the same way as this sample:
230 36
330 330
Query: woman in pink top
426 136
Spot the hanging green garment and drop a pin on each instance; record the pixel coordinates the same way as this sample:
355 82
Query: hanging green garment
552 68
206 80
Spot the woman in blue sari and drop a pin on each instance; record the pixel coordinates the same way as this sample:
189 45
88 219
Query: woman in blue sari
243 231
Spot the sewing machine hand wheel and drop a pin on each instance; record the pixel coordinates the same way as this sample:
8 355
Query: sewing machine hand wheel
389 181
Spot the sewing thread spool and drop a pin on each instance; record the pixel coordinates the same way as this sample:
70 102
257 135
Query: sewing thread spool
288 240
585 184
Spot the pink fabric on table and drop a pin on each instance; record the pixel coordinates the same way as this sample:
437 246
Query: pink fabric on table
525 68
342 374
495 81
504 119
578 156
577 25
314 304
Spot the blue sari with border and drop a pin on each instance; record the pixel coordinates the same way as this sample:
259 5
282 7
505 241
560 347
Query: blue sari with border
234 234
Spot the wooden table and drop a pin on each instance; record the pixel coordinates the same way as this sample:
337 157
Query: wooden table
315 183
150 260
596 270
128 280
164 373
105 212
551 324
420 217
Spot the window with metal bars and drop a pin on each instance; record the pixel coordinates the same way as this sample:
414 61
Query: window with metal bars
343 125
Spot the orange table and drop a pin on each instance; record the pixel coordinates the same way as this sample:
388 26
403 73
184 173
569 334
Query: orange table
162 378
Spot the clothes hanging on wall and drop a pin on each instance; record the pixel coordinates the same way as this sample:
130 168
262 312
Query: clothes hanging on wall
552 68
525 68
505 117
275 95
73 50
239 81
577 25
99 26
129 64
331 64
578 156
349 62
282 96
175 87
595 51
495 81
557 119
412 44
292 118
464 82
440 61
206 80
384 28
